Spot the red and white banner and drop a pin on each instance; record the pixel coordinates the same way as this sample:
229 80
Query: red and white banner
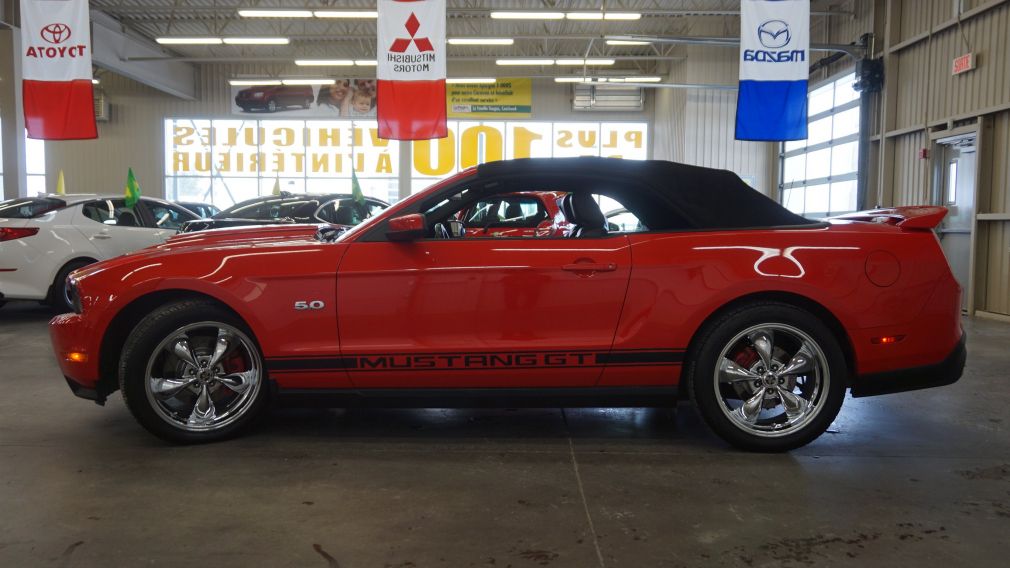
411 70
56 69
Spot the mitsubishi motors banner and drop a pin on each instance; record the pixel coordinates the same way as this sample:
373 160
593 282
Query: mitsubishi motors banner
56 70
411 69
774 67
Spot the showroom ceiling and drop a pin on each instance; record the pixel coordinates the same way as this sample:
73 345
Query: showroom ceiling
311 35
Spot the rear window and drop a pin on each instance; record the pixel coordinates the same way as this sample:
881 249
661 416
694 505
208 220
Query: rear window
278 208
29 207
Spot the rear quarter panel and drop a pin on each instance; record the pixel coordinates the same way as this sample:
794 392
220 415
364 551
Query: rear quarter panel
680 279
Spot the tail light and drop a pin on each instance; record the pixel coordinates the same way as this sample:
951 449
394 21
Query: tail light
10 233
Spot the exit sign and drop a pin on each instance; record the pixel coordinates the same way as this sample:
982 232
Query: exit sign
963 63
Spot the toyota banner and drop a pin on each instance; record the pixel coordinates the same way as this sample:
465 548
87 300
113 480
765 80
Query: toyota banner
774 68
411 69
56 70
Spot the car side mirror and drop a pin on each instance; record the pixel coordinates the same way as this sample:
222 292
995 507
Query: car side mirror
406 227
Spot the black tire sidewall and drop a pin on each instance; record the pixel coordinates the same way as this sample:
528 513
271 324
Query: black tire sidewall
58 294
133 370
715 337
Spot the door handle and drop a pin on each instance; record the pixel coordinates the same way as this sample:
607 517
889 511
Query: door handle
103 236
590 267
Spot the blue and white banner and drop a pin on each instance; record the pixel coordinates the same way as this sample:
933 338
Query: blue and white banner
774 67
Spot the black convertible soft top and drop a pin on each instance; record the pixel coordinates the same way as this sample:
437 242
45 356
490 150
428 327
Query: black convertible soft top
702 198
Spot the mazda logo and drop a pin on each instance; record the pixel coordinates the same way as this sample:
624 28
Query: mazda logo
774 34
55 33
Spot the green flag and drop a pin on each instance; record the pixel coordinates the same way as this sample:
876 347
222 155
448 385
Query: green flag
359 197
132 192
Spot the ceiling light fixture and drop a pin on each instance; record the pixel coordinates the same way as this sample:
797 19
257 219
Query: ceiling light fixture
603 15
527 15
471 81
366 62
189 40
625 42
323 62
480 41
358 14
256 40
585 61
572 79
275 13
525 62
253 82
309 81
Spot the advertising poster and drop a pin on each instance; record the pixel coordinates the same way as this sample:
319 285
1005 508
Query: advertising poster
505 98
345 98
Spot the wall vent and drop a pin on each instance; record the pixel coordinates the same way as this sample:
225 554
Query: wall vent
607 98
101 106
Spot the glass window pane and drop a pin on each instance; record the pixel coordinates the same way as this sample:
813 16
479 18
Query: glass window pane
844 91
821 99
846 123
189 188
795 145
231 190
844 158
843 197
35 156
817 200
819 164
794 169
793 199
36 184
820 131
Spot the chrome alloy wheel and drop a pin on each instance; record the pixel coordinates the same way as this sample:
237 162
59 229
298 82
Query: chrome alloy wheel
203 376
772 379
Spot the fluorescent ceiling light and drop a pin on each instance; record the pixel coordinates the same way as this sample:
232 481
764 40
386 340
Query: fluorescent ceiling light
571 80
346 14
480 41
95 81
323 62
309 81
253 82
527 15
366 62
643 79
585 62
275 13
525 62
471 81
256 40
189 40
603 16
625 42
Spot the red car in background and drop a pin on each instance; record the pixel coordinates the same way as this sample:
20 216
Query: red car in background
763 318
272 98
522 214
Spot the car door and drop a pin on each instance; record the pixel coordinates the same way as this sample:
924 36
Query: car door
472 313
114 228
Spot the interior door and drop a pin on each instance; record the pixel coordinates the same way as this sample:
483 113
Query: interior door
114 228
957 192
480 312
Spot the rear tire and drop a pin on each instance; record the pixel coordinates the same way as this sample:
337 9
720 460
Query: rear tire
768 377
191 372
58 297
272 106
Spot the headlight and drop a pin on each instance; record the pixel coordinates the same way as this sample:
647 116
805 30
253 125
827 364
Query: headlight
73 294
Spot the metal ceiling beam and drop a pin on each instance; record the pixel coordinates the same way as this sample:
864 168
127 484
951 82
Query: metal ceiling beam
291 59
183 12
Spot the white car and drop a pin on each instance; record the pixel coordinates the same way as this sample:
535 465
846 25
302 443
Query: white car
45 238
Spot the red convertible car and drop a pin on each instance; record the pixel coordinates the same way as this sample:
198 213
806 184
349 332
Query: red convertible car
764 318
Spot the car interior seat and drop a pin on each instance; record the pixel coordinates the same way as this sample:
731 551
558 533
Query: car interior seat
584 214
127 219
513 211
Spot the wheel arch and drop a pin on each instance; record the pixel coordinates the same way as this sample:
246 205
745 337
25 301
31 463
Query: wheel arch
791 298
127 319
90 259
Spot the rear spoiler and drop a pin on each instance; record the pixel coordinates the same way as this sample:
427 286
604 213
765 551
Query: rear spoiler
911 217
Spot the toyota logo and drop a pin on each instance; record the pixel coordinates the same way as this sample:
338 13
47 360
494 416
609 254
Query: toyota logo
774 34
55 33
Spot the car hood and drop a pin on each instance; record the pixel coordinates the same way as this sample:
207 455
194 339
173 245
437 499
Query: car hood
243 235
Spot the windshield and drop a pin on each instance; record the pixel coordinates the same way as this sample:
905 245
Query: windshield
274 208
29 208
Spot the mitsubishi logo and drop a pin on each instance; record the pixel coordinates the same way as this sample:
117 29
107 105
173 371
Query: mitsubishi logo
400 45
774 34
55 33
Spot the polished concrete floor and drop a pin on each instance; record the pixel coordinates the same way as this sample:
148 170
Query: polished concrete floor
917 479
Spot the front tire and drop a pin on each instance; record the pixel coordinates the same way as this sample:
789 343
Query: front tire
59 295
768 377
191 372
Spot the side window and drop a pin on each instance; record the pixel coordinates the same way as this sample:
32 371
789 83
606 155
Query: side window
624 221
509 211
167 216
348 212
111 212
